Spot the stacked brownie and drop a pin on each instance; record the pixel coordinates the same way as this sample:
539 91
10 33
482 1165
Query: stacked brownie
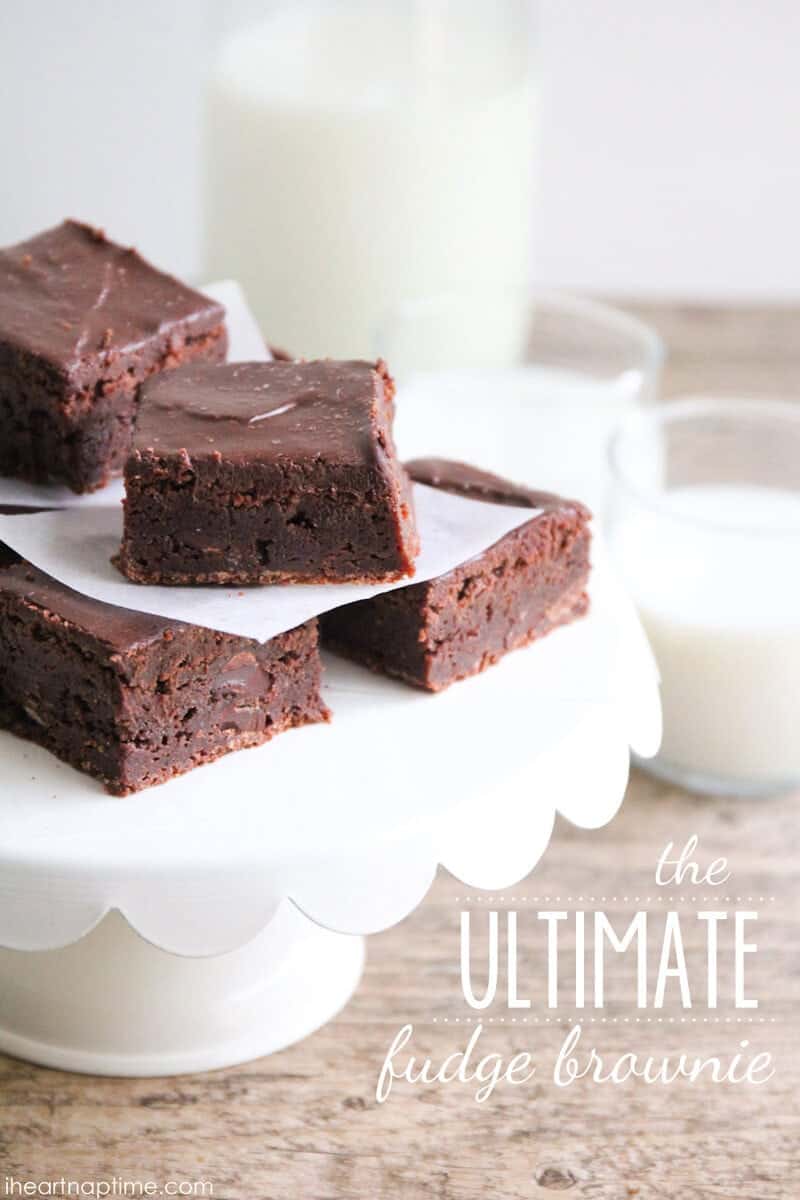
277 472
245 474
82 323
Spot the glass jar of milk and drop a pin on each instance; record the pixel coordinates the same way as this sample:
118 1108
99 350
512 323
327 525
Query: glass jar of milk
705 527
366 151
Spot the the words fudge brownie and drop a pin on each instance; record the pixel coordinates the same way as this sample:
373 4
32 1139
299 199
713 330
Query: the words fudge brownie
134 699
432 634
82 322
267 472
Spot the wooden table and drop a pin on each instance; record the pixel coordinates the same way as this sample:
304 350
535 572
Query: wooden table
305 1123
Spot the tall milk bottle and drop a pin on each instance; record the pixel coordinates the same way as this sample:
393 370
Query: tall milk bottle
365 152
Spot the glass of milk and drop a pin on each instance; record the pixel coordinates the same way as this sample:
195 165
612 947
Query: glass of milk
364 151
526 383
704 524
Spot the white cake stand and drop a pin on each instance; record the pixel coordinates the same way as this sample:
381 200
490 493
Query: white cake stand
219 917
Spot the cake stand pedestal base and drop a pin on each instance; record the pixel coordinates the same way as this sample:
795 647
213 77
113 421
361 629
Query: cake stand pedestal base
112 1004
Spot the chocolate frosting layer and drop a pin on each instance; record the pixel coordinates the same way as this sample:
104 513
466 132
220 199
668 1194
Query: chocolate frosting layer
119 628
265 411
78 301
465 480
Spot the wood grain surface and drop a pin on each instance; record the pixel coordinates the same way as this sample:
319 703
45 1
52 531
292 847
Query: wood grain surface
305 1123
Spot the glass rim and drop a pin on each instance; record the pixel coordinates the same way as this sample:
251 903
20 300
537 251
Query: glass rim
593 312
684 410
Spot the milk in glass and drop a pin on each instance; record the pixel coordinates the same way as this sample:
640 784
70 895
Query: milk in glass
717 585
368 151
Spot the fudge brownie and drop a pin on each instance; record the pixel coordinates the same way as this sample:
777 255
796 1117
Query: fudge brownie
7 555
432 634
133 699
269 472
82 322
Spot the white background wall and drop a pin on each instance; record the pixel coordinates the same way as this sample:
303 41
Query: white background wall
672 146
670 162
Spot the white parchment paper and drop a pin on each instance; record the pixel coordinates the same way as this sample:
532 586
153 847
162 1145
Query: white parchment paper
245 344
76 547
